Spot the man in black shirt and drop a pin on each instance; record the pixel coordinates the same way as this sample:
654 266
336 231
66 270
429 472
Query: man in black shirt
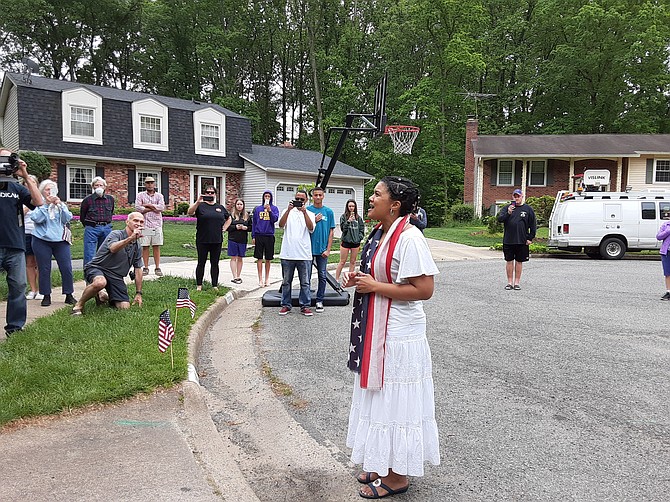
13 197
520 225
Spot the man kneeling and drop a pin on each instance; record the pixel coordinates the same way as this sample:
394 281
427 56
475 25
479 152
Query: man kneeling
112 262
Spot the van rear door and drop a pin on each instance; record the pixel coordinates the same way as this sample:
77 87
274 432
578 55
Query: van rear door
649 224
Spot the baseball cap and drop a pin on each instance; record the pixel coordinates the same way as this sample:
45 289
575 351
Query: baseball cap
517 192
149 179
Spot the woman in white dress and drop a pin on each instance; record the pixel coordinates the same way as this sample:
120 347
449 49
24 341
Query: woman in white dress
392 429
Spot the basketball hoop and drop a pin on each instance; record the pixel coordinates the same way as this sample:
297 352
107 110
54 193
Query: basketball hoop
403 137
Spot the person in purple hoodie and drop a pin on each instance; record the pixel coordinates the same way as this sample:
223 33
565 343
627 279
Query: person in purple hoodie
263 235
664 235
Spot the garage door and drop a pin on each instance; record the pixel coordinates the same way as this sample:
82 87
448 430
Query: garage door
336 198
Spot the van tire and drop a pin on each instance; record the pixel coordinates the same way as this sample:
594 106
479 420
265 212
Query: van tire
612 248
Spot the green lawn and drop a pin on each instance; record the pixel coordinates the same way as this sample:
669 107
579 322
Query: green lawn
61 362
476 236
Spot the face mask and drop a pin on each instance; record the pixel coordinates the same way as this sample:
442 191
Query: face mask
99 191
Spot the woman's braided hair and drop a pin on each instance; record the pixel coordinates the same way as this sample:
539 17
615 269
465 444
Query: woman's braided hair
403 190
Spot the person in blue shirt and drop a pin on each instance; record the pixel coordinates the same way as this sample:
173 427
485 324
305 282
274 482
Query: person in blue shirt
322 241
13 196
49 239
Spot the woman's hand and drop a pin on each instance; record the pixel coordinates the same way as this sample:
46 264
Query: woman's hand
365 283
348 279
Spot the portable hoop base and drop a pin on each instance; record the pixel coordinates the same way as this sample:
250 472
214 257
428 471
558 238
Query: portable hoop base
403 137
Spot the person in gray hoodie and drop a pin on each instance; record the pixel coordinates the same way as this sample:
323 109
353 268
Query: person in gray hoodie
263 235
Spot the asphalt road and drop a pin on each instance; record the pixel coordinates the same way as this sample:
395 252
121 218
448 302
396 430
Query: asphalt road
560 391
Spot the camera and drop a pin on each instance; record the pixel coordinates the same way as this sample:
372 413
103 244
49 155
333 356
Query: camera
297 203
208 198
9 164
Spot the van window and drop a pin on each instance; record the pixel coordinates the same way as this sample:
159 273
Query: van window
648 210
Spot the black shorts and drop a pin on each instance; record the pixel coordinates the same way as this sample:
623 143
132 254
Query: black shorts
516 252
116 288
350 245
264 247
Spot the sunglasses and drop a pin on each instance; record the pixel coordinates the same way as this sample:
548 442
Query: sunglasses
300 198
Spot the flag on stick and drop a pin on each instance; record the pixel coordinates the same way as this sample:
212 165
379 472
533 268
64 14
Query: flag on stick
184 300
165 331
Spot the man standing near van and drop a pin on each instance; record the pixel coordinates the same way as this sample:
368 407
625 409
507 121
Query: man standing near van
520 225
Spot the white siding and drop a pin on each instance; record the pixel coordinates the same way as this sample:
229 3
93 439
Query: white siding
254 183
10 129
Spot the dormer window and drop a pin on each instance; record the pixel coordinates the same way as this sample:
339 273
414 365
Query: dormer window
82 116
150 125
209 129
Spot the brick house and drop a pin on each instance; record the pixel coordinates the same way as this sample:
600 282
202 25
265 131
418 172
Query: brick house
86 131
544 164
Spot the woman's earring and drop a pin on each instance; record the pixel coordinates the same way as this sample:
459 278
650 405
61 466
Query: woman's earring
391 212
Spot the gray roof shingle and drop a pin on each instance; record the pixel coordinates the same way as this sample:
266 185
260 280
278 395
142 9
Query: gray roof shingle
571 145
307 161
50 84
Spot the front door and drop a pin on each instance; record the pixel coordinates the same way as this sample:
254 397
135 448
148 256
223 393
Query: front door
200 181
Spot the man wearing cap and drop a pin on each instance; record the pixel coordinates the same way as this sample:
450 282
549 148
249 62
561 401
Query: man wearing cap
520 225
151 204
95 213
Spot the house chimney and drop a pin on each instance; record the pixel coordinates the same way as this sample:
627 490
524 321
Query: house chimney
471 128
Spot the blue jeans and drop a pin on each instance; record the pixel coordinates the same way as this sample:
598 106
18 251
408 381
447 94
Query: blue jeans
13 261
321 264
287 269
44 250
93 239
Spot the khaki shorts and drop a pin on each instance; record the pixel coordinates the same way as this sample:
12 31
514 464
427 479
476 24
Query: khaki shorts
152 237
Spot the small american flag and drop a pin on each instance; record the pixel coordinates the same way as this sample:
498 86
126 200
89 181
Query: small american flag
184 300
165 331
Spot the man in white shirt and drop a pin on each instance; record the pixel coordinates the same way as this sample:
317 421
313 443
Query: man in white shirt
296 252
151 205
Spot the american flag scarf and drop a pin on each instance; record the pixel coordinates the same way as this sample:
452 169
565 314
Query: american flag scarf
369 317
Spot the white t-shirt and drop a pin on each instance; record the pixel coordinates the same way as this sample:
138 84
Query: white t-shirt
296 243
411 258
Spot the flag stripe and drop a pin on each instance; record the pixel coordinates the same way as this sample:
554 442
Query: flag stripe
165 331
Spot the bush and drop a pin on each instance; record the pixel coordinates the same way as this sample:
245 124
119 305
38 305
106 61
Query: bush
182 208
462 212
542 207
493 226
38 165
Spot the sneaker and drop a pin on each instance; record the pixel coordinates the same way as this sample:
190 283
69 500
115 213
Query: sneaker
666 296
38 296
145 271
70 300
284 311
158 272
306 311
31 295
46 301
319 307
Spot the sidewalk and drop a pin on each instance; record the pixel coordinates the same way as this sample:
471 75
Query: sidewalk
164 446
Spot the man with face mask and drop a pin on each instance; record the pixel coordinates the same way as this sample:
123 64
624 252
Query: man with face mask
95 214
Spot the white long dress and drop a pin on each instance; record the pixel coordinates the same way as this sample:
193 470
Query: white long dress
394 428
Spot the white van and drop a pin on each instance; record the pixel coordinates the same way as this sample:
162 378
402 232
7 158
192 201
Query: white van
607 224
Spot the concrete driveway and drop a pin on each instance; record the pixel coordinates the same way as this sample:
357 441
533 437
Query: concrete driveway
560 391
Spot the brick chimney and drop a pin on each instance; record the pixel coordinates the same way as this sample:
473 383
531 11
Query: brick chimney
471 128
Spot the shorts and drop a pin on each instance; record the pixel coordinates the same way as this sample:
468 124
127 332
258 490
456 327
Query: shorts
152 237
116 288
665 261
516 252
237 249
265 247
29 245
350 245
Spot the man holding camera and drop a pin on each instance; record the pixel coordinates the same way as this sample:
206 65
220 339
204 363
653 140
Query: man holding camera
296 252
13 196
112 262
520 225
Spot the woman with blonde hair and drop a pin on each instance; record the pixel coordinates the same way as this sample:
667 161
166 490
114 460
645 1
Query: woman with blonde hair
50 238
31 263
238 226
